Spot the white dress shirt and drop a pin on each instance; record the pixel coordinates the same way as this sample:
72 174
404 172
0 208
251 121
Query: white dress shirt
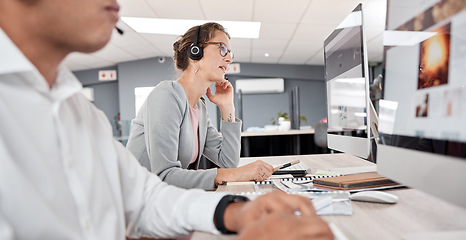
63 176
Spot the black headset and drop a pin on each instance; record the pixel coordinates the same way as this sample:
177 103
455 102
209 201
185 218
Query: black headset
195 52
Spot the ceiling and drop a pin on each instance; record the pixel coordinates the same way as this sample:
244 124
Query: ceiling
292 31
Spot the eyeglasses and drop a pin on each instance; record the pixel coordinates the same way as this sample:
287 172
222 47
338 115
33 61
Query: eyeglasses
223 49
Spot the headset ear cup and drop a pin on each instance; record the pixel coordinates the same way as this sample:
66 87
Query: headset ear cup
195 52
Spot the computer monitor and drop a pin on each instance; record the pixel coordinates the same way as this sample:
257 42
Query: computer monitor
346 75
422 119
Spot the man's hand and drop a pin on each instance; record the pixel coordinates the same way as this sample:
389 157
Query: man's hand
286 226
239 216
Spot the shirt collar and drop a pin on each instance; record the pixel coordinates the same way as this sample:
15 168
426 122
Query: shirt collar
12 60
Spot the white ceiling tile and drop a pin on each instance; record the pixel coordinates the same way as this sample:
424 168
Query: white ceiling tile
279 10
306 47
74 64
269 44
127 39
101 64
76 67
258 56
135 8
237 10
150 55
317 59
114 54
314 32
329 11
291 57
143 51
183 9
277 31
291 31
83 58
79 61
240 43
164 43
242 55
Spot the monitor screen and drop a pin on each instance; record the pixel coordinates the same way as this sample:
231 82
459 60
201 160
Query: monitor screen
423 113
347 87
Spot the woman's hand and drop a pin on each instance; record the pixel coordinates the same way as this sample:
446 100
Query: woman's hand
223 98
256 171
223 94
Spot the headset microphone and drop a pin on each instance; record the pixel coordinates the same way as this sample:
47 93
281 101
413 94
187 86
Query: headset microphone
226 78
119 30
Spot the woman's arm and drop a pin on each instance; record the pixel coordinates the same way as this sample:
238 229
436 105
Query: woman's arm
162 117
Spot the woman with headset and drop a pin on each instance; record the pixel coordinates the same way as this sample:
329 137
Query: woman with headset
172 130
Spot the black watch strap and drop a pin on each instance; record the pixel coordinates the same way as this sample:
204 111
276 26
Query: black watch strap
220 211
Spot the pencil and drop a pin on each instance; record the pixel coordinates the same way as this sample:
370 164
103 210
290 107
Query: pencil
285 165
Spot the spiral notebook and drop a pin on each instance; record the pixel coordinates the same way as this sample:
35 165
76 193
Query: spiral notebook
303 183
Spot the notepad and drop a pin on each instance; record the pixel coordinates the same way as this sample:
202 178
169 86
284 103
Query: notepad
355 181
302 183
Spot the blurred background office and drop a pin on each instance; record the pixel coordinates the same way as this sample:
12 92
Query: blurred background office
285 42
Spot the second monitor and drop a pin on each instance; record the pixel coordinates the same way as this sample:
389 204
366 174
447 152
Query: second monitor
346 74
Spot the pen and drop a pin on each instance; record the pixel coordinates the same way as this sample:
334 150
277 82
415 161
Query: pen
285 165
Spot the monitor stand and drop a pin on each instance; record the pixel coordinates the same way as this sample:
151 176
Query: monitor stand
374 124
374 133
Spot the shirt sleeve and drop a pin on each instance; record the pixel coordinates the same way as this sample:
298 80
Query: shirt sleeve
155 209
164 114
224 149
6 232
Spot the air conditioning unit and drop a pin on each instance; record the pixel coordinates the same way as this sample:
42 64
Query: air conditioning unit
262 85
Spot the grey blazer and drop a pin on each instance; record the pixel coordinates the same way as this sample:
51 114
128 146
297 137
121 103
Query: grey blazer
161 138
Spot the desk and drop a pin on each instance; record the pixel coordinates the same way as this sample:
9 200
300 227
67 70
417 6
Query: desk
295 143
415 212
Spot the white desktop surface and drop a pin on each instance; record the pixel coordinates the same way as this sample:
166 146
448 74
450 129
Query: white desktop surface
415 212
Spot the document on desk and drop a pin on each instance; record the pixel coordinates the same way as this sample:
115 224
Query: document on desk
303 183
339 203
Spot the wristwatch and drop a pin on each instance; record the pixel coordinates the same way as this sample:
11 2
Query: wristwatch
220 211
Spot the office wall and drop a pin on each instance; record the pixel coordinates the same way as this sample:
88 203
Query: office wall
140 73
105 93
258 108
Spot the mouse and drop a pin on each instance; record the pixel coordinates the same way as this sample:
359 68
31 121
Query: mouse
374 196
